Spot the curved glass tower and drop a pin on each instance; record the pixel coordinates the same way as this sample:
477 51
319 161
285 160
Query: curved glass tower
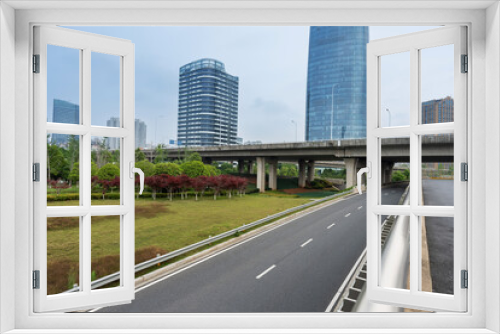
336 83
208 104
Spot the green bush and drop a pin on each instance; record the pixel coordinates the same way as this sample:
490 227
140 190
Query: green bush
168 168
319 184
108 172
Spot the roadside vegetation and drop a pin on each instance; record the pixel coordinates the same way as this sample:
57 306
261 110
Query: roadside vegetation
161 226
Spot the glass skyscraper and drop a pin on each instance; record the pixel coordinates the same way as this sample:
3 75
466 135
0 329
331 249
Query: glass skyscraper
208 104
64 112
336 83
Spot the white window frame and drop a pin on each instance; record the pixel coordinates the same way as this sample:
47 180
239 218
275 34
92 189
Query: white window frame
86 44
412 44
484 103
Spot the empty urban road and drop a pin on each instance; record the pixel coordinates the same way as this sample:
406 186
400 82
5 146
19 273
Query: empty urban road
297 267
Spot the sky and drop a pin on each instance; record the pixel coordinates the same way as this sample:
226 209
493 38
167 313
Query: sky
271 63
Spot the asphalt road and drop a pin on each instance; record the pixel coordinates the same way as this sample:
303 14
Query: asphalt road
440 235
297 267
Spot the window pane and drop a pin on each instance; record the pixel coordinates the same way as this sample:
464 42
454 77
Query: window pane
105 170
394 169
395 253
437 170
395 90
63 169
105 247
437 84
437 254
63 254
105 90
63 85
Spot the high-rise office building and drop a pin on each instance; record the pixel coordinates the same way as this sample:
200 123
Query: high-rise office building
64 112
113 143
437 111
208 104
336 83
140 134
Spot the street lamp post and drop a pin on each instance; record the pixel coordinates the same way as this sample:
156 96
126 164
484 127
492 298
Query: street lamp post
389 112
295 129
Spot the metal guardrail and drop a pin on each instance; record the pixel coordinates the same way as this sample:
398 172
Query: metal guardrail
154 261
351 295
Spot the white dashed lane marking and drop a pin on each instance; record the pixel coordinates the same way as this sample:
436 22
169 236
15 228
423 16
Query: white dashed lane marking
329 227
360 207
305 243
347 215
266 271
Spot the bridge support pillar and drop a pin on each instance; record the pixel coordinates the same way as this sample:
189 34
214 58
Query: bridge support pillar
302 173
261 174
351 169
310 171
249 167
273 174
241 166
387 172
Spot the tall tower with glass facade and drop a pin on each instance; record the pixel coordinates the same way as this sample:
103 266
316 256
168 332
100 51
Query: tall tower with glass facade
208 104
64 112
336 83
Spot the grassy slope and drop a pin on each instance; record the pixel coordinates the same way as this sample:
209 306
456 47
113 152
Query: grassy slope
167 225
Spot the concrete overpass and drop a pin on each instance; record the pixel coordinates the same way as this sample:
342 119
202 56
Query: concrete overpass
350 153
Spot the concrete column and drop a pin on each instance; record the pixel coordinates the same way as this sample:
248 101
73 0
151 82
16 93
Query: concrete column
241 166
273 174
310 171
387 172
351 169
249 167
261 174
302 173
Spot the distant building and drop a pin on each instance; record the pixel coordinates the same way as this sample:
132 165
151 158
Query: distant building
113 143
437 111
208 104
64 112
140 134
253 142
336 83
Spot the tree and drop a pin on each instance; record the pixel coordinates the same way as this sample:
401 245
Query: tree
199 185
73 151
74 175
139 155
108 172
172 183
215 183
102 155
105 185
147 167
288 170
57 164
155 182
161 154
93 169
58 185
193 168
168 168
184 184
227 168
210 170
192 156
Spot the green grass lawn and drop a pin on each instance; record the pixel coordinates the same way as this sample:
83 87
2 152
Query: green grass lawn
161 226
